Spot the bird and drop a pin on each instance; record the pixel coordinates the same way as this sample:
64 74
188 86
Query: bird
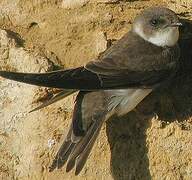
144 59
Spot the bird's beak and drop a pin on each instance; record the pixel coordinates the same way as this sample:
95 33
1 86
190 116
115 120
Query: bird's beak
177 24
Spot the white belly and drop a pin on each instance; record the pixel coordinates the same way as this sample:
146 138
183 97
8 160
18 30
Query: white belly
125 100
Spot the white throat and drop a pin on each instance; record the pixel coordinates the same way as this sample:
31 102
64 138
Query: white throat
168 37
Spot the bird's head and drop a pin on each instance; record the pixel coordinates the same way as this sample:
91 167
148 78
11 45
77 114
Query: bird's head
158 25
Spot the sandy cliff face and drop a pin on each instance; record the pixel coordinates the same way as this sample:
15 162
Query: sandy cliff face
38 36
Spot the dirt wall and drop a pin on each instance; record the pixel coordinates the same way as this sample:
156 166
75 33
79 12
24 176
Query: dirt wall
39 36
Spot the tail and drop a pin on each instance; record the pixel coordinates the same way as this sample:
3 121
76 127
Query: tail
79 142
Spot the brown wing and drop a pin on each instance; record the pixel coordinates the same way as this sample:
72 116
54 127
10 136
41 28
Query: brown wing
83 79
133 54
134 62
61 95
131 62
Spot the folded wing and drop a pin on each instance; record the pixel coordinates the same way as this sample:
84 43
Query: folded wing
83 79
121 66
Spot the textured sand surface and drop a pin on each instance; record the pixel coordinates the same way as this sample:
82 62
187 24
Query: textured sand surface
39 36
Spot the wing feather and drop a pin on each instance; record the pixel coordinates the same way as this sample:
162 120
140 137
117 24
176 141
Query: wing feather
131 62
61 95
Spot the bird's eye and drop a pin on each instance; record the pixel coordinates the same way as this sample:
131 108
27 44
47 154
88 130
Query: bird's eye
154 22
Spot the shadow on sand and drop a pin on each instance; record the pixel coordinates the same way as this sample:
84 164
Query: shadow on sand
127 135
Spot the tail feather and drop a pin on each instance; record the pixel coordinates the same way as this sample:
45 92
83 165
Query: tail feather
62 156
86 124
81 151
76 153
63 153
82 158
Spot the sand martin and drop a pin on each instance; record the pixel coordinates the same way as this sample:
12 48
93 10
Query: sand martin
143 59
